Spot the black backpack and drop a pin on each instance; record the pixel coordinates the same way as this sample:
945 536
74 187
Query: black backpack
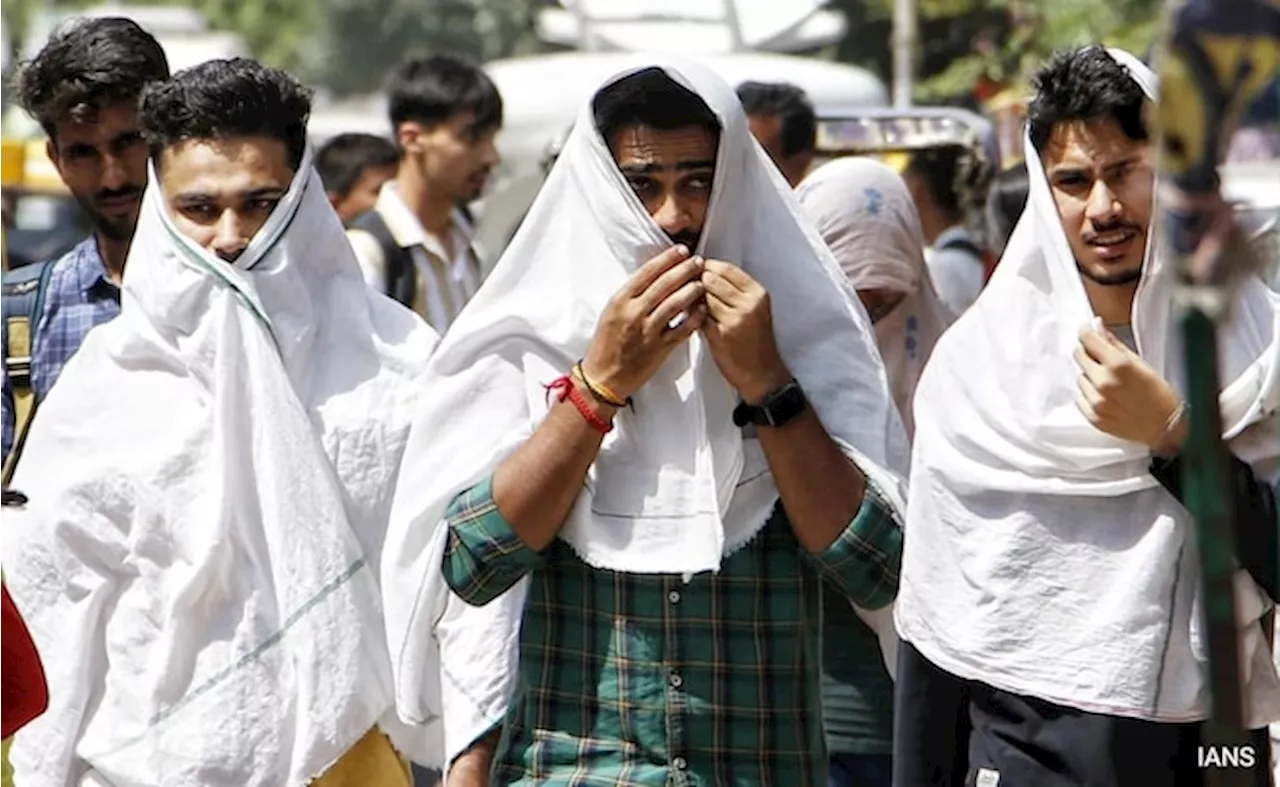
401 274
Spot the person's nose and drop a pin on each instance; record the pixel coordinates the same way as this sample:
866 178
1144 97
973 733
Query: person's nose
489 155
672 216
1103 207
115 175
229 238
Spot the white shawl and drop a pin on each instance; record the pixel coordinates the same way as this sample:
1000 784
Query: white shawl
1042 557
210 482
863 211
676 485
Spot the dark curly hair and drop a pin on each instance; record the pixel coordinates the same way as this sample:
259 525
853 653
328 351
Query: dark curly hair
790 105
1082 85
649 98
89 64
227 98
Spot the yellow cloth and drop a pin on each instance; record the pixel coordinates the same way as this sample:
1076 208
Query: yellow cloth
372 762
6 777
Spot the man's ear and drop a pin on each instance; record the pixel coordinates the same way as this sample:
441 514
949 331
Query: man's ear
51 150
334 198
409 136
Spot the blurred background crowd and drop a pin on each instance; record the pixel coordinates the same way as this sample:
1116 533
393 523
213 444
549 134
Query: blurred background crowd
887 77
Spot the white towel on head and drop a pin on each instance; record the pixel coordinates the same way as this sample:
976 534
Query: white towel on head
864 212
210 482
676 485
1042 556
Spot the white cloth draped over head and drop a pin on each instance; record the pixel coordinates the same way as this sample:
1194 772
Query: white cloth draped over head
210 482
1042 556
676 486
864 212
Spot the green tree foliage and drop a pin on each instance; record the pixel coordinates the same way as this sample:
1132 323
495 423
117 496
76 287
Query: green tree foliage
963 43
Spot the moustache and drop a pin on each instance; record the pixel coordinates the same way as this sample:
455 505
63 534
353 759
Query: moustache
1103 229
689 239
109 194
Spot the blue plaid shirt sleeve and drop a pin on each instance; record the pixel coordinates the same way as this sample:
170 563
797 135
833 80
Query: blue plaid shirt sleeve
484 557
6 404
864 561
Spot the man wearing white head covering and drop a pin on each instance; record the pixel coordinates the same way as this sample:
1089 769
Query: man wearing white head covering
672 501
864 212
211 478
1050 569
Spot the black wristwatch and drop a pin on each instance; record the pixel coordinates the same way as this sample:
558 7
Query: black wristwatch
778 407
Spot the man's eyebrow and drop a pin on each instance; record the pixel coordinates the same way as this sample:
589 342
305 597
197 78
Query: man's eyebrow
679 166
1067 169
202 196
1124 162
193 196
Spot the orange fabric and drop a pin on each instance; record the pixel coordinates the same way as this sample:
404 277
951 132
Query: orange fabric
371 762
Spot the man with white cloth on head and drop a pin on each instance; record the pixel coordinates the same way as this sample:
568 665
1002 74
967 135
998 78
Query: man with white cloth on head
665 411
1049 590
211 478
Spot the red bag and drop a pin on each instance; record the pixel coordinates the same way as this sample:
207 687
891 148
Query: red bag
25 693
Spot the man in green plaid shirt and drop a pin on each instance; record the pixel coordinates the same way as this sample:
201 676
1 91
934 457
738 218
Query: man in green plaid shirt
632 678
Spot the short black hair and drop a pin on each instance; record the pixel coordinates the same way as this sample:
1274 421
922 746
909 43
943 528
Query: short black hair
948 172
89 64
227 98
433 89
342 160
790 105
649 98
1083 85
1005 202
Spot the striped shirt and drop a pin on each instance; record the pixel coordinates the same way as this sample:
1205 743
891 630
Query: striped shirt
634 679
448 270
80 297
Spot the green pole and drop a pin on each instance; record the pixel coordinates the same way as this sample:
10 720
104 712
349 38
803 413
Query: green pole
1217 56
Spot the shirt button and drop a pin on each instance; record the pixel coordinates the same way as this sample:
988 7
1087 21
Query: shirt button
680 763
676 680
674 597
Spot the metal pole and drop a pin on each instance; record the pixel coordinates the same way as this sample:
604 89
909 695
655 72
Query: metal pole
904 51
1217 56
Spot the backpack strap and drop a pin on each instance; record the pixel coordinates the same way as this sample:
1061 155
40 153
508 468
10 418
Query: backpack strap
962 243
23 295
400 273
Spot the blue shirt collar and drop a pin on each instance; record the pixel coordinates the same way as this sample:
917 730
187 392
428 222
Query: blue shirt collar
90 270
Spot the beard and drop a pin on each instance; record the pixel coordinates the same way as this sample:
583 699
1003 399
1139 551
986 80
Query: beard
1111 278
120 229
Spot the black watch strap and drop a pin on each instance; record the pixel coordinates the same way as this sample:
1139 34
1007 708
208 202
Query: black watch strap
779 407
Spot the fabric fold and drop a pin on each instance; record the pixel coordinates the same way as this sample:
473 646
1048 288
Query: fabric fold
210 483
676 486
1048 561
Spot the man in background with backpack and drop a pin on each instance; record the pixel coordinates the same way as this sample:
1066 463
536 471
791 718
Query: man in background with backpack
83 88
948 184
416 244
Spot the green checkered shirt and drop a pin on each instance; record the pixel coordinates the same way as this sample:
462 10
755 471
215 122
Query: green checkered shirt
633 679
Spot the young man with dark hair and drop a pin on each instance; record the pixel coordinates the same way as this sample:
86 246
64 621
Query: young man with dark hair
416 244
579 439
945 184
783 121
1050 582
83 89
353 168
198 558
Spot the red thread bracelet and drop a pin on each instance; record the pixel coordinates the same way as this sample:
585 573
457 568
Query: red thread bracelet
567 390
